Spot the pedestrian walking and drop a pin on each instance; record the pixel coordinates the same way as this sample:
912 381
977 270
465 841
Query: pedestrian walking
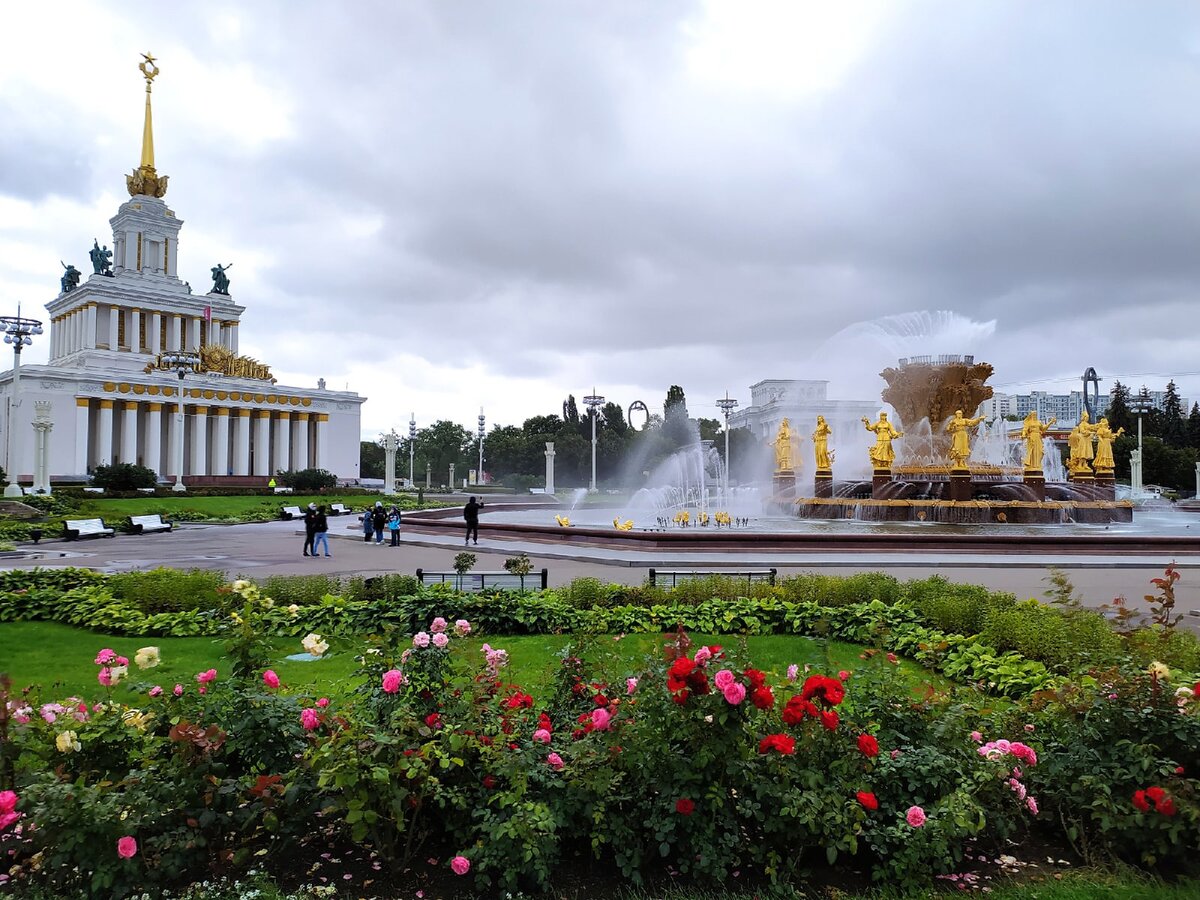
471 514
368 524
310 528
393 524
321 531
378 521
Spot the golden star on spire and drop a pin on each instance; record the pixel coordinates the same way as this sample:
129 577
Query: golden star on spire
144 179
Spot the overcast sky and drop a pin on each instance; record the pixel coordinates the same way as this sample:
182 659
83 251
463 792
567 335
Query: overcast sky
448 205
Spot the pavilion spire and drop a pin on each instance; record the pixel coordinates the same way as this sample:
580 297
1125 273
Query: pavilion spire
145 180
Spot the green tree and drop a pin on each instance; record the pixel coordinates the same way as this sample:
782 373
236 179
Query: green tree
676 401
676 426
505 452
1174 426
306 480
123 477
710 429
1151 416
1118 412
1194 427
370 459
571 411
441 444
612 417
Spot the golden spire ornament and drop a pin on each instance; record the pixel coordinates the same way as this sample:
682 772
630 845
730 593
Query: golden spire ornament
144 179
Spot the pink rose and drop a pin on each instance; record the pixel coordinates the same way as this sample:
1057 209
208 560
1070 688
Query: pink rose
893 659
735 693
123 661
977 737
309 719
793 672
270 679
1029 728
1031 805
203 689
104 676
392 680
8 801
723 679
421 639
323 702
206 677
104 657
630 685
156 690
555 761
702 656
460 865
915 816
600 719
843 675
441 640
462 627
127 847
542 736
438 625
179 690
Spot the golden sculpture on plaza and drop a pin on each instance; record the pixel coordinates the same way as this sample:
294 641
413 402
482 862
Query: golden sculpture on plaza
1033 432
785 447
1080 446
882 454
1104 441
820 439
222 361
960 427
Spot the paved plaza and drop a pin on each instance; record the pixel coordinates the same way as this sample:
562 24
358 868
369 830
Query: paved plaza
274 548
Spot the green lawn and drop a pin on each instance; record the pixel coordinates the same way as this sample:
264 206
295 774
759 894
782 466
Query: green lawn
208 508
59 658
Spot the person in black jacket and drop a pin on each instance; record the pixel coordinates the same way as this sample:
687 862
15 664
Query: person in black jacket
378 521
471 514
310 528
320 531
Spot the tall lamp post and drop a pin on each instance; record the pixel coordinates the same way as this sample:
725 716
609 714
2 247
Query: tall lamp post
1135 464
19 332
180 362
412 444
727 406
593 401
482 431
390 442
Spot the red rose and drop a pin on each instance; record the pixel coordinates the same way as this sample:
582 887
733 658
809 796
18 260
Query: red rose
698 682
682 667
780 743
1166 806
762 697
544 722
1139 800
868 746
715 650
433 720
824 689
796 709
867 799
756 678
684 806
489 782
1155 793
829 719
1179 770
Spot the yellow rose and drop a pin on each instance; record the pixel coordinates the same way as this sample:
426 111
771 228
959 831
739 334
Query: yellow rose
67 741
147 658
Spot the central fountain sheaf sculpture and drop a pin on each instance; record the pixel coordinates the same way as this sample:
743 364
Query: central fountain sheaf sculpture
922 465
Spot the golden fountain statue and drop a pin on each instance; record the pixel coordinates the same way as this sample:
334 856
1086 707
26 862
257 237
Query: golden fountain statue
1080 444
960 427
786 441
820 439
882 454
1104 440
1033 431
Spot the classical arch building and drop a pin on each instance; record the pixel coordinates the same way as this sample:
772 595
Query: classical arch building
107 395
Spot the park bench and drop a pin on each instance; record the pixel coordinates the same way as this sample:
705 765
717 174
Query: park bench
339 509
77 528
283 490
482 581
148 524
667 578
92 490
291 512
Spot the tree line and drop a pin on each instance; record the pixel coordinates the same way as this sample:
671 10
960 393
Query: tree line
1170 436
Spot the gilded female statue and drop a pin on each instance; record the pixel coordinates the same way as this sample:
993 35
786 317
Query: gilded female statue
882 454
1033 432
1080 444
820 439
960 445
1104 441
785 441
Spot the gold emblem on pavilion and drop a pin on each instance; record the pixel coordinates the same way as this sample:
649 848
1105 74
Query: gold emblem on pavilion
144 179
222 361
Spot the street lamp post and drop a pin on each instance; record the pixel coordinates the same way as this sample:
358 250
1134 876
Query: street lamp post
727 406
593 401
19 332
1135 464
181 362
482 430
412 443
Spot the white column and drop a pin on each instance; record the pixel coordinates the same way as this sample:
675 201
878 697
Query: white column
262 442
113 326
89 326
549 467
81 435
154 439
153 337
193 342
174 440
301 449
214 332
75 332
176 333
220 450
200 442
283 441
233 337
129 433
104 447
241 443
321 424
42 426
135 330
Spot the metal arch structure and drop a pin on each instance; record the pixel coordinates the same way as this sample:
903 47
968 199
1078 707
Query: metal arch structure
1091 403
643 409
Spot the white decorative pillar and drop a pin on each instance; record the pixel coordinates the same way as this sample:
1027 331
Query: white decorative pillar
129 433
155 334
220 450
549 467
301 443
135 330
214 332
104 444
153 442
41 447
241 443
174 464
193 343
200 441
283 441
262 442
233 338
89 326
114 327
81 435
176 333
1135 472
322 425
